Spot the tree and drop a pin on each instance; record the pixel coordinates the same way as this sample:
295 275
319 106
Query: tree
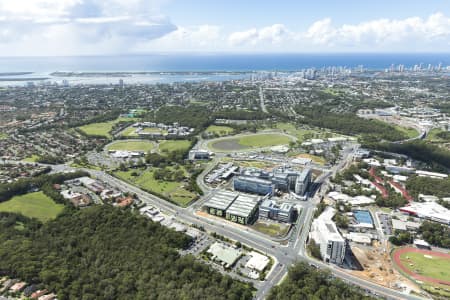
123 167
314 249
306 282
400 238
90 262
435 234
341 220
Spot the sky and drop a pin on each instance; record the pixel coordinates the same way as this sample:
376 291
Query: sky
114 27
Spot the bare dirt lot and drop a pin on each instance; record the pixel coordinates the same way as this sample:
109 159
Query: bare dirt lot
378 267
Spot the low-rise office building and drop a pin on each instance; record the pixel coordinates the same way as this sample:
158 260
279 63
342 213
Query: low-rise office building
224 254
271 210
253 185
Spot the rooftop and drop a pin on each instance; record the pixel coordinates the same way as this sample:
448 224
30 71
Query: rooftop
224 253
243 205
254 179
221 200
431 210
257 262
326 226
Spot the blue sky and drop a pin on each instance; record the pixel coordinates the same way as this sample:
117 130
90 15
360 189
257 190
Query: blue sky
297 13
82 27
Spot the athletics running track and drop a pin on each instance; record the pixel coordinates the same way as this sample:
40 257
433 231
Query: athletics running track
400 264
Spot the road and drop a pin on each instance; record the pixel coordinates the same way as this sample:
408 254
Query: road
261 99
285 255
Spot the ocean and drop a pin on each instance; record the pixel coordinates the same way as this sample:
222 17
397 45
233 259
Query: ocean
43 66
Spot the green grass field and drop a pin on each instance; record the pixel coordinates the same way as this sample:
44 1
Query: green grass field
249 142
154 130
98 129
103 128
432 136
317 159
145 180
219 130
129 132
273 230
303 134
263 140
435 267
253 164
410 132
32 158
132 145
173 145
33 205
3 136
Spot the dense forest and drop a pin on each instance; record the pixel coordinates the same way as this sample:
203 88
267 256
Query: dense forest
348 123
437 157
305 282
435 234
104 117
108 253
240 115
195 116
428 186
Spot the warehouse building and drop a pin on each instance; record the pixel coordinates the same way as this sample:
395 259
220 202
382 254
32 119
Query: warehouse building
324 232
428 210
271 210
244 209
235 207
253 185
219 203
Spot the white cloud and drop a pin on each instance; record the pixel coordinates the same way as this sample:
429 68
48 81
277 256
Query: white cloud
191 38
271 34
414 31
410 34
243 37
79 26
75 27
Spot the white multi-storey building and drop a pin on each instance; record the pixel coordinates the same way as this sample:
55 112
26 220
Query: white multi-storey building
324 232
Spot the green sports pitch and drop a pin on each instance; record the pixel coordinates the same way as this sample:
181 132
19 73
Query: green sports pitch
132 145
33 205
